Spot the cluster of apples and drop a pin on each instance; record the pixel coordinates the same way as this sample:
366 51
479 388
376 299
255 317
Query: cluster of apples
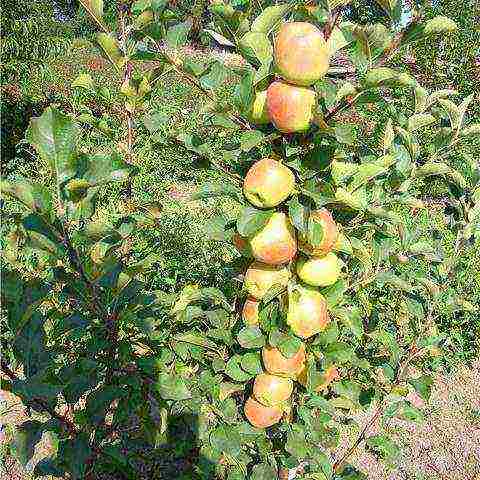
301 57
275 248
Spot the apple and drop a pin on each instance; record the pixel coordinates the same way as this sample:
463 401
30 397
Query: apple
301 53
277 364
290 108
261 416
268 183
330 234
276 242
307 311
319 271
260 278
272 390
250 311
258 113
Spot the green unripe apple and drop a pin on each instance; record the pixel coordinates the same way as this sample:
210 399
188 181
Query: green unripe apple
319 271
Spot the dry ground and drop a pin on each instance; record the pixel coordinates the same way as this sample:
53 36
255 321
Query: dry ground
445 446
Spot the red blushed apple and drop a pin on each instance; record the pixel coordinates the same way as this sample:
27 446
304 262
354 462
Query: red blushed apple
301 53
261 416
276 242
260 278
329 238
290 108
277 364
268 183
307 311
250 311
272 390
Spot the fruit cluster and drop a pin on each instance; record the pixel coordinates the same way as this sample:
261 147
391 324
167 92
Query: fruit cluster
301 58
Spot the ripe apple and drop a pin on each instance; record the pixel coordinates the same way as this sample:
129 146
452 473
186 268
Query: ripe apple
271 390
330 234
275 243
319 271
301 53
261 416
290 108
277 364
307 311
268 183
250 311
258 113
260 278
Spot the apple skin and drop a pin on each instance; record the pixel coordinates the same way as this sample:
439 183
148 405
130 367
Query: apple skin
258 114
319 271
277 364
259 278
301 53
275 243
261 416
250 311
268 183
290 108
271 390
330 235
307 311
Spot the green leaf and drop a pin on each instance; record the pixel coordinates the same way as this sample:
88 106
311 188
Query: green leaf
244 92
111 48
439 25
34 196
288 345
439 168
256 47
27 435
352 319
219 38
339 352
298 214
422 385
54 137
314 231
270 18
420 120
296 443
75 454
356 200
345 133
215 76
252 363
250 139
210 190
95 9
251 337
177 35
365 173
106 168
389 278
263 471
172 387
99 401
83 80
382 446
196 339
226 439
251 220
234 369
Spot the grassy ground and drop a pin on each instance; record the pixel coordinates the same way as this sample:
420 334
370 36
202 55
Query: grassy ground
448 444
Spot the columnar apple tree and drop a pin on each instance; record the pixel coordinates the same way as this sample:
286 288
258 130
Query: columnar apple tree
328 323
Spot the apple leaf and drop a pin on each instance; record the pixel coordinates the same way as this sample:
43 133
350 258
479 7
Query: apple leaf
251 220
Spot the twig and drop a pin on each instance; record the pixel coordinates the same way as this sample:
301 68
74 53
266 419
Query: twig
67 423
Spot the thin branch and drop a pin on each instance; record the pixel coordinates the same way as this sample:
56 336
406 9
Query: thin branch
42 405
